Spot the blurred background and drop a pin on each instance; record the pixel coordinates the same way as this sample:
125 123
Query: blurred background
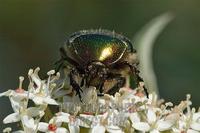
31 33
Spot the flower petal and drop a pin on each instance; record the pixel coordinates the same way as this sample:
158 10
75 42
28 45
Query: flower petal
28 122
50 101
61 130
151 116
195 126
19 96
114 129
164 125
192 131
141 126
35 78
196 116
73 128
43 127
154 131
15 103
98 129
172 117
62 118
38 100
134 117
14 117
7 130
6 93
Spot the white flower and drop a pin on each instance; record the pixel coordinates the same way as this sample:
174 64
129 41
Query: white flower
18 93
26 117
153 123
126 111
190 121
103 129
54 126
106 122
41 99
15 117
55 123
18 97
137 124
129 99
73 122
195 124
40 90
29 124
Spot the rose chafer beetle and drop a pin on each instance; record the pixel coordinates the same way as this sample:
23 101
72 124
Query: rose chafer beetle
100 58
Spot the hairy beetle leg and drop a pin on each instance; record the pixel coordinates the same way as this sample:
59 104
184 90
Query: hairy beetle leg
75 85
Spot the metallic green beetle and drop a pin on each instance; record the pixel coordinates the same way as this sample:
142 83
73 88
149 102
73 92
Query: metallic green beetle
101 58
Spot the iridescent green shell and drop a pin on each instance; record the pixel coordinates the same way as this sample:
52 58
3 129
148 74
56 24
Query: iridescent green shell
97 45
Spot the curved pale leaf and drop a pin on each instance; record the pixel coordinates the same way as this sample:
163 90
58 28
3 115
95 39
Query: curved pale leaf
144 42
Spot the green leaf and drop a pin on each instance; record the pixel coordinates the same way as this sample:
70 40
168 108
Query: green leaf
144 42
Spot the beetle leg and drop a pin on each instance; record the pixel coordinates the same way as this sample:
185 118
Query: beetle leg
91 74
120 83
82 82
102 73
138 79
90 77
135 72
75 85
100 87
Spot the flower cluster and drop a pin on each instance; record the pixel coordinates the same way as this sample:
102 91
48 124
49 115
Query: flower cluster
46 107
